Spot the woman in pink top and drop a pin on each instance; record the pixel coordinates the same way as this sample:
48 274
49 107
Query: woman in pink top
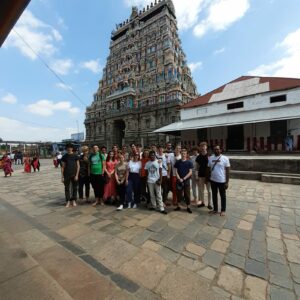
110 185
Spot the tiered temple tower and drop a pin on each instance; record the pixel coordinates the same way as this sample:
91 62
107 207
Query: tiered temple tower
145 81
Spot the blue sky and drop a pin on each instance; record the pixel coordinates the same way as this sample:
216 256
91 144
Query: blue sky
223 39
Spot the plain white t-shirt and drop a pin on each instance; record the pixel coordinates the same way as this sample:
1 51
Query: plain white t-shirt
218 174
134 166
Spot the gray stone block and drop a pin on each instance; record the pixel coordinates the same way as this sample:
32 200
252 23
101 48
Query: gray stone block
278 293
213 258
235 260
177 243
256 268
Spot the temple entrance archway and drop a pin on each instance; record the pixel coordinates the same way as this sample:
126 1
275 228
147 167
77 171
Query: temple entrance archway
119 132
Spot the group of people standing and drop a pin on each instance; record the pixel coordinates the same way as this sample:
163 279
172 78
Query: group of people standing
126 178
28 162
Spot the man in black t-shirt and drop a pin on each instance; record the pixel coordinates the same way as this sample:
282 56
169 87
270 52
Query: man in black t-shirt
184 168
202 161
69 174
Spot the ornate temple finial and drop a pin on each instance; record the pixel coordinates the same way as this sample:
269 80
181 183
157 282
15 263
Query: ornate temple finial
134 12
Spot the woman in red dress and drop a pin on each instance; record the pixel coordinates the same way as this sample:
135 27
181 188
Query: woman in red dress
27 164
6 165
110 185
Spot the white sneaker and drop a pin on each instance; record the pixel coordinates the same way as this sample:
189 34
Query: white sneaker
129 205
120 207
134 206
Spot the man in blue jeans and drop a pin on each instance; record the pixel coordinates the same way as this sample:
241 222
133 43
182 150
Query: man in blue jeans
183 171
218 174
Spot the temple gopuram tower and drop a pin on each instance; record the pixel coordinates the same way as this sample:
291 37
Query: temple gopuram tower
145 81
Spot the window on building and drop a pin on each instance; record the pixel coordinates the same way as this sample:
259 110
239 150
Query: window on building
235 105
280 98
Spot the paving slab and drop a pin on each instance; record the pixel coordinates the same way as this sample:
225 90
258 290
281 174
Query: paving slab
183 284
147 268
33 284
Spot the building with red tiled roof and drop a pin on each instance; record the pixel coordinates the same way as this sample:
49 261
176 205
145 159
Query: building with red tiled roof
248 113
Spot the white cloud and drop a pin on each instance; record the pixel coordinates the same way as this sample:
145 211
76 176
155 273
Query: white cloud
9 99
187 12
195 66
222 14
41 37
289 63
47 108
62 66
92 65
16 130
219 51
63 86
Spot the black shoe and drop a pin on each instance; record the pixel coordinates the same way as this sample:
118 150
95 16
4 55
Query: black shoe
164 212
151 208
189 210
209 207
177 208
201 205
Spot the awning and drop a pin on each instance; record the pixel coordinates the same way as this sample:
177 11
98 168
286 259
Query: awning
229 119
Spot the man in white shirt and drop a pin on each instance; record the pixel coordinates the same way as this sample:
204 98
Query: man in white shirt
154 173
218 174
165 162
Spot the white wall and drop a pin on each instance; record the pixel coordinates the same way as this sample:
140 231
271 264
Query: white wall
253 103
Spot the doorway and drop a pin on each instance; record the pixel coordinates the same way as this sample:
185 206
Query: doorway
235 140
119 132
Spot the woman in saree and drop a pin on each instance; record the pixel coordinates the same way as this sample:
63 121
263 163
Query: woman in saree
6 165
27 164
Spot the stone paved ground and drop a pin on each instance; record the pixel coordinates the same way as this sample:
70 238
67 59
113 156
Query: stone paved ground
50 252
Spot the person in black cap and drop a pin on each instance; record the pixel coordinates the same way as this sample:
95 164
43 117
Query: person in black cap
69 174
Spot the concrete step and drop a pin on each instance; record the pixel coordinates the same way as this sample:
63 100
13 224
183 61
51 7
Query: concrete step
266 177
279 178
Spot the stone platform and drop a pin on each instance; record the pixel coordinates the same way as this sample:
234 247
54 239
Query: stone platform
51 252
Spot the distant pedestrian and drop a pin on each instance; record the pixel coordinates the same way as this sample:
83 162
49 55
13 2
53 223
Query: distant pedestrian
154 175
35 163
218 174
6 165
27 164
84 174
184 170
58 158
70 172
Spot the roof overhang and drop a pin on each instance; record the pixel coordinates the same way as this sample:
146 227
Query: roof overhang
286 112
10 12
